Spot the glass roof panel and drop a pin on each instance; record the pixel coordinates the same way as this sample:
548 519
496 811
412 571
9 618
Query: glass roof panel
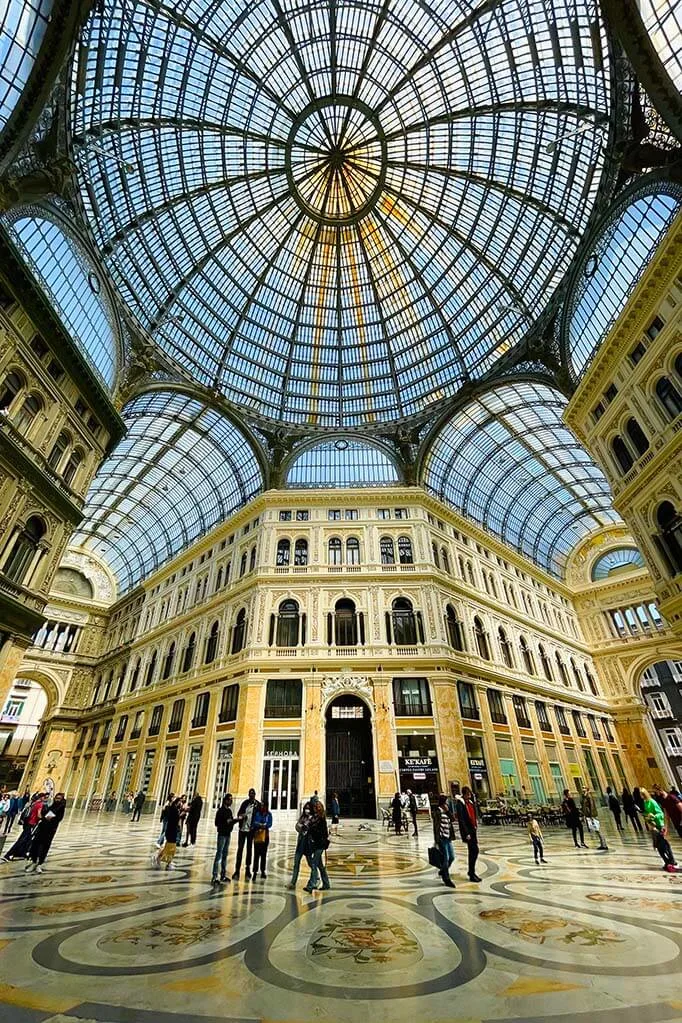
663 21
507 461
22 27
335 214
73 287
181 469
622 559
342 463
612 270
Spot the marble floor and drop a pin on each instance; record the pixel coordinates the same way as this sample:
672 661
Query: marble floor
591 937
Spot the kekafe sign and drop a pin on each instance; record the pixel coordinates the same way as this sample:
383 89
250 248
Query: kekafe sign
428 765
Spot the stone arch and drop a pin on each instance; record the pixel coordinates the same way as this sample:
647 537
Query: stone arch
667 650
50 682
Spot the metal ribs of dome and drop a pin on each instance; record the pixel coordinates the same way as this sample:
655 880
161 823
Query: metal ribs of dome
336 214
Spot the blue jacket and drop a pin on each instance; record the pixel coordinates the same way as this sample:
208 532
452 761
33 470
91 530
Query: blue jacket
261 820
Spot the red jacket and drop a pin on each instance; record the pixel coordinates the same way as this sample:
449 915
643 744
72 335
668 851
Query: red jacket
34 815
673 808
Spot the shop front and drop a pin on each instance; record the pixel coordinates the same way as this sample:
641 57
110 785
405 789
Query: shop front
478 770
418 765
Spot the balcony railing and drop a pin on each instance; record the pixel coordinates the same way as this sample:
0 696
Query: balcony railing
470 713
661 712
673 751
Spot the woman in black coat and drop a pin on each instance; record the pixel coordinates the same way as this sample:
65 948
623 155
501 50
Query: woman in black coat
193 817
630 809
50 819
397 813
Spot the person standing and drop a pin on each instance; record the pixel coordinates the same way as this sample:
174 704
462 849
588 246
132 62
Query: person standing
245 837
302 844
50 819
572 818
164 812
25 800
535 832
614 807
167 854
468 828
591 815
29 818
224 824
193 818
655 822
138 803
397 813
260 825
14 807
444 833
318 843
630 810
672 804
412 807
336 811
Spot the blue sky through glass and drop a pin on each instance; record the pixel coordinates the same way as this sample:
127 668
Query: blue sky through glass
22 27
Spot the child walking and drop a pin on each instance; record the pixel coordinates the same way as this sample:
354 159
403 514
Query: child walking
535 832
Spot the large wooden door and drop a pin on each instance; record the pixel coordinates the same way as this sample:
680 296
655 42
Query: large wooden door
350 761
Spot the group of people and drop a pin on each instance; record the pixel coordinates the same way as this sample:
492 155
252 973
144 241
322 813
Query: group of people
39 816
402 804
459 807
178 814
11 805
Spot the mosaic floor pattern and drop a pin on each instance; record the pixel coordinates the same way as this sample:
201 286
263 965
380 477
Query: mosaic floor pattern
590 937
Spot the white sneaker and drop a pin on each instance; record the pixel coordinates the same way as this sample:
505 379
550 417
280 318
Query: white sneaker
39 870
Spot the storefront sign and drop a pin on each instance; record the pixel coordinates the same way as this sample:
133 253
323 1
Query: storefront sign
419 775
410 765
386 766
477 764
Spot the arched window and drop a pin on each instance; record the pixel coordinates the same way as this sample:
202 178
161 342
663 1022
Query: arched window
678 366
505 647
135 677
72 466
218 579
151 669
405 556
526 656
621 453
12 385
577 676
242 564
59 449
212 643
493 586
24 550
562 669
460 561
445 560
546 666
434 554
283 553
252 559
288 621
387 551
669 539
470 573
481 638
335 551
301 552
345 623
352 551
239 632
168 661
33 404
407 625
591 681
188 656
454 628
669 397
639 439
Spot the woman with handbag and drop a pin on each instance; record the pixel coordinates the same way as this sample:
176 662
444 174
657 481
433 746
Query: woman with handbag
50 819
318 841
261 823
30 815
444 833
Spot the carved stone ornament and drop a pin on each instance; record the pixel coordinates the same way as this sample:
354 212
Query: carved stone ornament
334 685
101 582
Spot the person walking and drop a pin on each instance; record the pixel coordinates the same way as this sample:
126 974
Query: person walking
138 803
167 854
397 813
302 844
260 826
412 807
672 804
28 818
12 811
536 837
318 843
591 815
224 825
630 809
444 832
614 807
193 818
336 811
51 817
468 828
572 818
164 813
655 822
245 836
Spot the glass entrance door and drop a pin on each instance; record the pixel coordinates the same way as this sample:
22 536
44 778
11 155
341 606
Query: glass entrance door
222 771
280 773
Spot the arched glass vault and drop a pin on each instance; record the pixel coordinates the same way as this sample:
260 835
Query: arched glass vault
337 220
507 461
181 469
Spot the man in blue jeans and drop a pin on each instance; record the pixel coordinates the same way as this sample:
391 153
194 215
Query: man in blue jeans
224 822
444 832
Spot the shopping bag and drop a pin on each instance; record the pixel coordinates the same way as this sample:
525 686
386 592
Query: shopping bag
435 857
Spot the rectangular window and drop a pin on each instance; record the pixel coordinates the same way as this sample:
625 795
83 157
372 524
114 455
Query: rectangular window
155 723
610 392
351 513
496 704
411 697
557 778
177 714
594 727
284 698
401 513
543 716
285 516
121 728
561 720
637 353
302 515
200 716
137 725
55 370
467 701
655 328
579 725
334 514
606 725
229 703
383 513
14 708
521 711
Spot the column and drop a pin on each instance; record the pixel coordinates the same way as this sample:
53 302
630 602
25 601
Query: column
248 739
385 782
453 761
207 740
11 656
55 756
489 744
312 737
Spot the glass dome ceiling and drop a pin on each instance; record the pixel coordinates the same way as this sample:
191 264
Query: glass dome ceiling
335 213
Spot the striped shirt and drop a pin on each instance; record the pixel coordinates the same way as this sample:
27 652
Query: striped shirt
445 823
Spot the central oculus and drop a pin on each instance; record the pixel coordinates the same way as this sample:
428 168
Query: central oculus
336 160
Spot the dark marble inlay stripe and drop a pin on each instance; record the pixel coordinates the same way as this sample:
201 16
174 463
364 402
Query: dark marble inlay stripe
121 1014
